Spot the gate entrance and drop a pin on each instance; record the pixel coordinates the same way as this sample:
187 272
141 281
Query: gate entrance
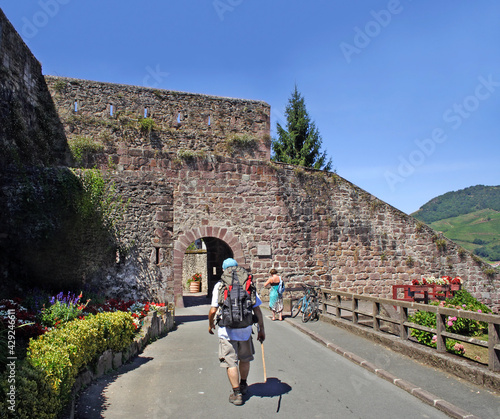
219 243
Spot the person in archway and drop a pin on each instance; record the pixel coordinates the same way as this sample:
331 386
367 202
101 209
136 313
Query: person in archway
236 349
275 294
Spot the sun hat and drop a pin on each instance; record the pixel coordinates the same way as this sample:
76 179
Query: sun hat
228 263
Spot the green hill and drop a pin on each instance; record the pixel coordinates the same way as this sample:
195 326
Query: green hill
470 217
464 201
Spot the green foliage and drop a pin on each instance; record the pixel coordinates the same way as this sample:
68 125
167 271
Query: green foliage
300 142
61 352
462 300
478 232
83 149
34 397
241 143
100 200
58 313
61 310
464 201
147 125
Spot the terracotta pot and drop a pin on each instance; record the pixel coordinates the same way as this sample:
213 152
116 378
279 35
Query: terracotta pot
195 286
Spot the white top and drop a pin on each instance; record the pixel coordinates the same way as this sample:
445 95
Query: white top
242 334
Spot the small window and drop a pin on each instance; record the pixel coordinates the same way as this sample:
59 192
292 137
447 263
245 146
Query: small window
111 110
145 112
209 120
179 117
75 106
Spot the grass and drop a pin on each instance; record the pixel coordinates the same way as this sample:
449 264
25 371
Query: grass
476 353
464 229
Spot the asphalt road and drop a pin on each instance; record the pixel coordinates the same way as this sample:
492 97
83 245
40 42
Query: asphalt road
179 376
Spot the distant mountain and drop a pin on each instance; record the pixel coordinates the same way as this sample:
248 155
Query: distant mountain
470 217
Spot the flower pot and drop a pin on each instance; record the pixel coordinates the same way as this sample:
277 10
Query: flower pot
195 286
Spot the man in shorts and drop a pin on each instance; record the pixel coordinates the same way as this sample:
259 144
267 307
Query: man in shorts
236 348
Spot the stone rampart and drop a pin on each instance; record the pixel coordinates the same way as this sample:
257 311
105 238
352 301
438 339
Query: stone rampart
140 120
318 228
30 130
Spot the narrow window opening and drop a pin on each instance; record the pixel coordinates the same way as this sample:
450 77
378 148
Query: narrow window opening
145 112
75 106
179 117
209 120
157 255
111 110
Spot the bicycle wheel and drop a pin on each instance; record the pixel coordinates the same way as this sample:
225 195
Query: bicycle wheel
310 310
297 307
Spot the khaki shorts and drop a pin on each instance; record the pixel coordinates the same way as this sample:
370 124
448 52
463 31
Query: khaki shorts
232 351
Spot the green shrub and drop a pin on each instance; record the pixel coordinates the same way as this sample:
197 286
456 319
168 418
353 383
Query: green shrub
34 397
83 149
62 352
462 300
147 125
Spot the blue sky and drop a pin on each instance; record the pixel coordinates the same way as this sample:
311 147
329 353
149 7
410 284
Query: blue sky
405 94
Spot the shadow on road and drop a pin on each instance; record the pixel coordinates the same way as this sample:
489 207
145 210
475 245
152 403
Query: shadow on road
273 387
93 402
191 318
198 299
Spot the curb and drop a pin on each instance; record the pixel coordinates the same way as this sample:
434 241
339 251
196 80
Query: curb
428 398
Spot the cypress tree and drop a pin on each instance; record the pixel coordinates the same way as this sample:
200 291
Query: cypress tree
300 143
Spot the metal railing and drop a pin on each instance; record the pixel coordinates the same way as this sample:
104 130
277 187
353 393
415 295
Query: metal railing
335 302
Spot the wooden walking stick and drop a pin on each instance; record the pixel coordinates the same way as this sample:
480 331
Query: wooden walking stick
263 361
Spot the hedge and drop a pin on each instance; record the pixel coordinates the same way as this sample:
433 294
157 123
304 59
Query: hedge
44 380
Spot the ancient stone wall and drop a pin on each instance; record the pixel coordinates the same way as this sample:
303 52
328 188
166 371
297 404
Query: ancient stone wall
143 122
319 229
30 130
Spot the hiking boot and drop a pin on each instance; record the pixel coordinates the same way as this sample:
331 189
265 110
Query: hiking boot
236 399
243 388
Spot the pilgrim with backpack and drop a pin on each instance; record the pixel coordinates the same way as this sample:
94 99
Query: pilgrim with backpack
235 308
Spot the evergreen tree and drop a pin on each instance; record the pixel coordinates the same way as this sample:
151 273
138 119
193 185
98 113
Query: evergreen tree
300 142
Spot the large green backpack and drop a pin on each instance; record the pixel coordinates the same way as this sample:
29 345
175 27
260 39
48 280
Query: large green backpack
237 296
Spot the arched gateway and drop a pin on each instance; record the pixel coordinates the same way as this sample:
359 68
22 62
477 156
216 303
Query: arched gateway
188 237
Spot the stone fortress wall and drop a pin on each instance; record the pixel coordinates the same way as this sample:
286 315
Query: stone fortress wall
196 166
30 131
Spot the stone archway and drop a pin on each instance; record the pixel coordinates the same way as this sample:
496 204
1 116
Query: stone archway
188 237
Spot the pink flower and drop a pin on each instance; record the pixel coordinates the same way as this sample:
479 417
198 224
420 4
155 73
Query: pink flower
434 339
479 311
459 348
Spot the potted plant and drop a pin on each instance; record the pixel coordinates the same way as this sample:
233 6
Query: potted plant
195 283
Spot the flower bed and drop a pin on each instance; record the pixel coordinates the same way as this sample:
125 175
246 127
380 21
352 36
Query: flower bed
53 345
454 324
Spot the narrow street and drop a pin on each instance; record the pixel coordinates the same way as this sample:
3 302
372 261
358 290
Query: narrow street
179 376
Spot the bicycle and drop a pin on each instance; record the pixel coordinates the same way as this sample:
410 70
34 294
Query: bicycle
308 304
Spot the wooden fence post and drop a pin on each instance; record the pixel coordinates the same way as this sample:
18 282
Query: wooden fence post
403 318
440 328
494 346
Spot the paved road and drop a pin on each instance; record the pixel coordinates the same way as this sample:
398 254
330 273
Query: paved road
178 376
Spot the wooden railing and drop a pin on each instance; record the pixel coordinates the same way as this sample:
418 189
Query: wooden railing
335 302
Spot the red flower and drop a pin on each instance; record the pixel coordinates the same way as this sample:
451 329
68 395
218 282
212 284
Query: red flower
415 282
424 281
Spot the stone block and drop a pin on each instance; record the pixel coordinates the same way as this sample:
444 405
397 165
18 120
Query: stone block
104 363
117 360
